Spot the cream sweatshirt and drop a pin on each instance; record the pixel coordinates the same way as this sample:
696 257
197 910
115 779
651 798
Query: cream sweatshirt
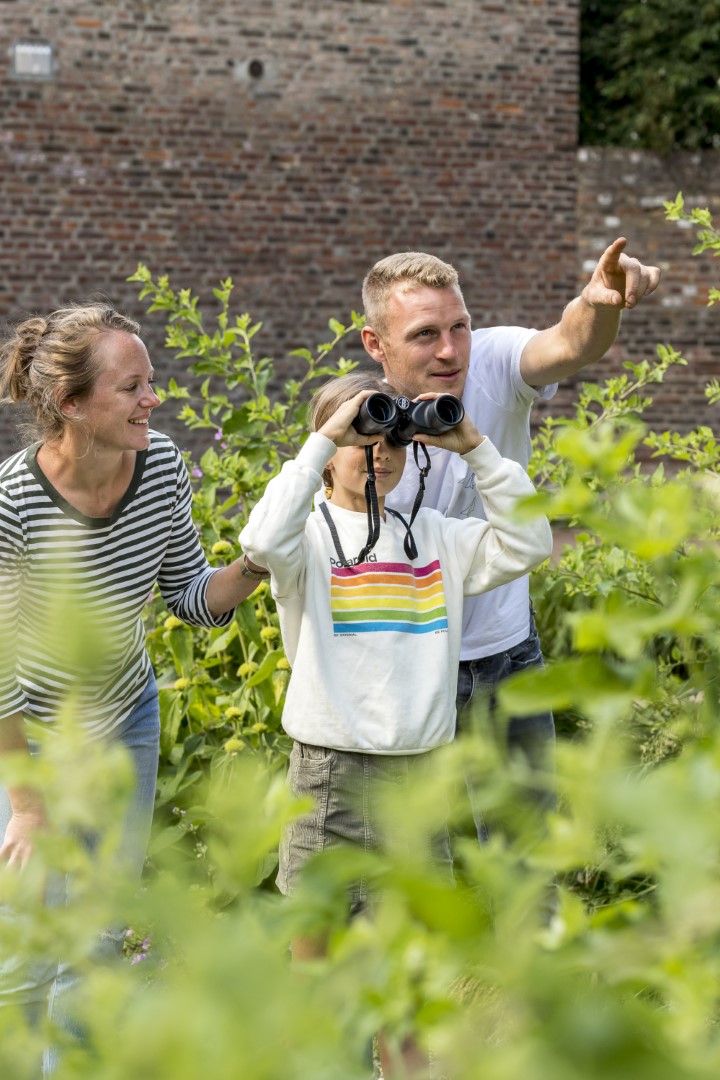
374 647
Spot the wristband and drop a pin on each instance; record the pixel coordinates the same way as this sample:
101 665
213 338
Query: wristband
254 575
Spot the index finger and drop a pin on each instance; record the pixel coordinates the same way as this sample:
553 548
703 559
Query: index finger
612 254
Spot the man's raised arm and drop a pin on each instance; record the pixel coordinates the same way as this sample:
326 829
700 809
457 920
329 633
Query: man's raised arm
590 322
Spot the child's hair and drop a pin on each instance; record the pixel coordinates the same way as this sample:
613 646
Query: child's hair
414 268
331 395
49 360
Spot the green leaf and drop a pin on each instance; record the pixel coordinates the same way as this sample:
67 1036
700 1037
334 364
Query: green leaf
247 621
596 687
220 643
180 642
266 669
166 838
171 714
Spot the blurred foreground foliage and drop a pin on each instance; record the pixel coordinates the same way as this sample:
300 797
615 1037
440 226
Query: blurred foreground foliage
512 972
589 947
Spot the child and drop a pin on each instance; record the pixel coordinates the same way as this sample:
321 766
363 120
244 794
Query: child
373 646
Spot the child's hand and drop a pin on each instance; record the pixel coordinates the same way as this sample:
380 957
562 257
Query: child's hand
339 428
461 439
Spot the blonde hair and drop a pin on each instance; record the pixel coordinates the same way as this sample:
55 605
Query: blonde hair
413 268
331 395
50 359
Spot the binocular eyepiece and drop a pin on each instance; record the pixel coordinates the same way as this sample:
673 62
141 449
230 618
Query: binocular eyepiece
398 419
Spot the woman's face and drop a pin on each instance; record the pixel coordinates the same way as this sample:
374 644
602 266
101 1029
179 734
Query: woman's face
116 412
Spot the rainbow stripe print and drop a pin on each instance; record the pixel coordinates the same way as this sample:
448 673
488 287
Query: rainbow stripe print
381 597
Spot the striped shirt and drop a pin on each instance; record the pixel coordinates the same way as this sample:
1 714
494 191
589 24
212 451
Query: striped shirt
73 587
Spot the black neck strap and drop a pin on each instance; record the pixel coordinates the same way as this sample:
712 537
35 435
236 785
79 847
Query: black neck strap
371 505
373 511
334 533
409 545
373 516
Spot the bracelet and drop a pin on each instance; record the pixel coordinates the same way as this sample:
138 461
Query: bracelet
254 575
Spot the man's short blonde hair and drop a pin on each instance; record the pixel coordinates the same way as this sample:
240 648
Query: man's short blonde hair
413 268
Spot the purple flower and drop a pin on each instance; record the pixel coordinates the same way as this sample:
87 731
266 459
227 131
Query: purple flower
197 472
218 435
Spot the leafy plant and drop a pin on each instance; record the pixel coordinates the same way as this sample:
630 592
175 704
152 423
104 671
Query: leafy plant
589 949
648 74
636 502
222 689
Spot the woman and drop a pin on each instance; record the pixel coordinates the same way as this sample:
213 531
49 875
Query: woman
92 514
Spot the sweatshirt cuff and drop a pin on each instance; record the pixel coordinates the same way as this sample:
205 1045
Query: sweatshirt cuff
316 451
484 458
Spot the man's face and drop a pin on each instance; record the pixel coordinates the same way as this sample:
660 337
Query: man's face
425 346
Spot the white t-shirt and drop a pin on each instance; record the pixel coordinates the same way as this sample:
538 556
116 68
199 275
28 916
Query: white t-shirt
499 402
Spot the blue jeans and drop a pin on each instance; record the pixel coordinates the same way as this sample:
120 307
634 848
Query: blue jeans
33 985
530 737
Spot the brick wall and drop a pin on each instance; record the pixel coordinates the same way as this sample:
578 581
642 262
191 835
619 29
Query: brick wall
289 144
621 193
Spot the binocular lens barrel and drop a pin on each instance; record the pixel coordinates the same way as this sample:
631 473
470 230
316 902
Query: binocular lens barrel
399 420
437 415
449 410
376 415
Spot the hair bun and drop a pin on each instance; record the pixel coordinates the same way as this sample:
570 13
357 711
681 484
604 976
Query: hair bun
30 333
17 357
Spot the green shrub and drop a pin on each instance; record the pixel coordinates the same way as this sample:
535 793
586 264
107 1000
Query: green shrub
222 689
587 950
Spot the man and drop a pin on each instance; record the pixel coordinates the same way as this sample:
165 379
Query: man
418 328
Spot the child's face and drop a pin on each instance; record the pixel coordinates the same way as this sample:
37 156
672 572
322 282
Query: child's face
349 473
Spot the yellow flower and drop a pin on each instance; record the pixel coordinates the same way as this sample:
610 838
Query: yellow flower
200 678
232 713
234 745
222 547
248 668
283 664
269 633
181 684
259 727
172 622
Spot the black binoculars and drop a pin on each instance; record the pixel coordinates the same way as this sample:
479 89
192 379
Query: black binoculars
398 419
